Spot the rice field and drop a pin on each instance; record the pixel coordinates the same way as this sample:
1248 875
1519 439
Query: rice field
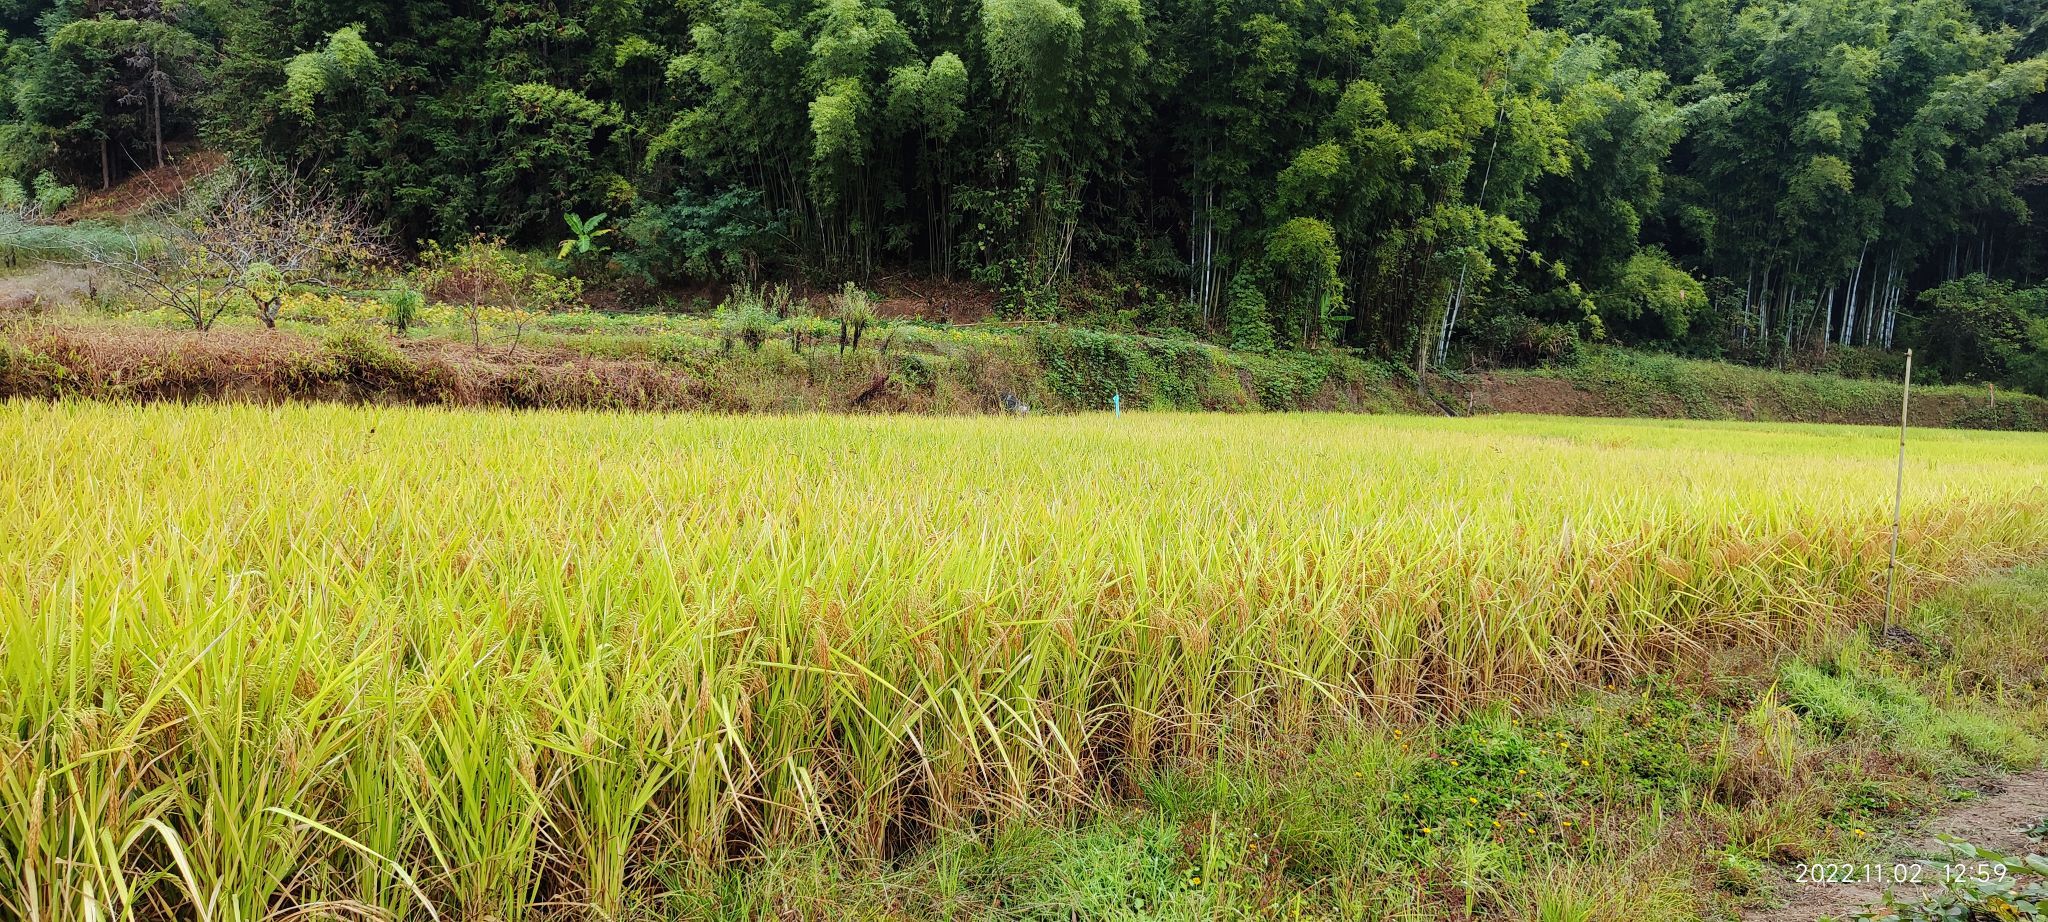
488 665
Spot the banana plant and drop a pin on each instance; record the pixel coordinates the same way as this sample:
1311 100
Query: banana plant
586 231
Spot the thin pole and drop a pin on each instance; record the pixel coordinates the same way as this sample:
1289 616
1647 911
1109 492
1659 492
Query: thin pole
1891 570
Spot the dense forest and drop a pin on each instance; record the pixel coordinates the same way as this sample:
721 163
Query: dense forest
1433 181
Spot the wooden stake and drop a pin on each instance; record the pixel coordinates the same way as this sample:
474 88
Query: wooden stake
1898 490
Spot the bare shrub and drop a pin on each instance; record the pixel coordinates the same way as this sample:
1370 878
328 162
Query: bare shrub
254 242
490 286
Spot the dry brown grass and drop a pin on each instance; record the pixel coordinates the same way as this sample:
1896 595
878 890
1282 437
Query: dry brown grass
50 355
147 189
116 363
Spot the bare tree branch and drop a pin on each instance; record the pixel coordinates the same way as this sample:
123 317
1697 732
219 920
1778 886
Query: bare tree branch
257 242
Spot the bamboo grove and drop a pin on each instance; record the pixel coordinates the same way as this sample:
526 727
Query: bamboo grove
1413 179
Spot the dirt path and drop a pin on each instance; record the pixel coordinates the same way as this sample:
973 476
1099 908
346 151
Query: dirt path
1998 819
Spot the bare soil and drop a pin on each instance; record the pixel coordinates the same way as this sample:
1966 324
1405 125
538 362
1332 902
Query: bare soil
1996 819
1529 394
942 300
147 189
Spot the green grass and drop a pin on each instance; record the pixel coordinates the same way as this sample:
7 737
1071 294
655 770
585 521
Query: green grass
266 657
1650 384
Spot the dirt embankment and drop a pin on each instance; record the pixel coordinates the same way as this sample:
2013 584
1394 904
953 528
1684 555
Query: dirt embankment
127 363
258 366
148 189
48 359
1679 389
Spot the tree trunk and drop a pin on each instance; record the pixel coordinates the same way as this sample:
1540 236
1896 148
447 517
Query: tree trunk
1827 320
1450 325
1422 344
1763 311
1787 308
156 119
1748 291
1849 306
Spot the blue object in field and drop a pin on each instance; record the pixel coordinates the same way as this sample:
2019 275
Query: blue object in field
1116 403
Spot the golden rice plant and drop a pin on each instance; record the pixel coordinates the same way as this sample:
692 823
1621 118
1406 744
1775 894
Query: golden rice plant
422 664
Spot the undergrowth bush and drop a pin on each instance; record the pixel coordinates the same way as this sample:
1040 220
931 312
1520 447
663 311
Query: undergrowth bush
26 371
368 359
